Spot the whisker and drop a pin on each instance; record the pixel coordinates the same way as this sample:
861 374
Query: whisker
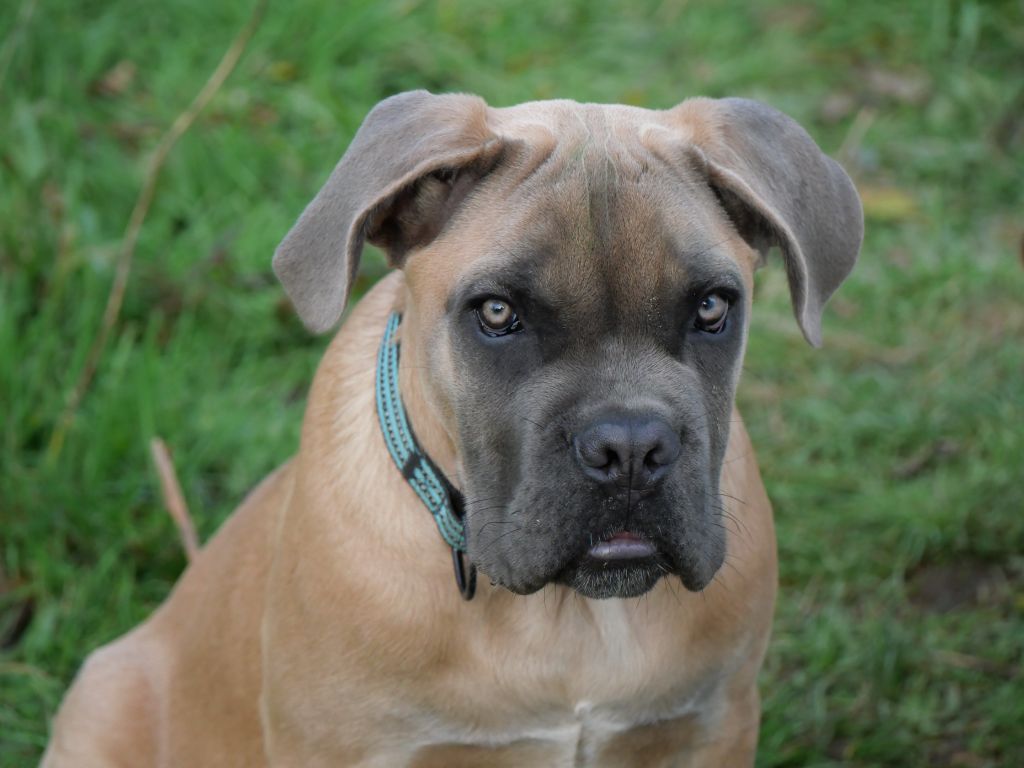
496 539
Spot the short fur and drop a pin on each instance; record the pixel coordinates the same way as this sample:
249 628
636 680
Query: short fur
321 626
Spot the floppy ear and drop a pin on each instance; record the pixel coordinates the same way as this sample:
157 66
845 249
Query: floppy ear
780 189
412 160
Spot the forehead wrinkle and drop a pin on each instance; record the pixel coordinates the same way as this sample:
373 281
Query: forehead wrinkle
629 236
598 156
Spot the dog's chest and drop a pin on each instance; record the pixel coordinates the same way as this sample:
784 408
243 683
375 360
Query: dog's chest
588 737
602 693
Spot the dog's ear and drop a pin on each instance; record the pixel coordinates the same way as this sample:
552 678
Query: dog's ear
779 189
413 159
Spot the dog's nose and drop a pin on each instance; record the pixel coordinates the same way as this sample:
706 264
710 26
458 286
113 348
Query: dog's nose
631 452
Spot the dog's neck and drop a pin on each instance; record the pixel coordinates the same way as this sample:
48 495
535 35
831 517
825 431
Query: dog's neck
427 422
435 441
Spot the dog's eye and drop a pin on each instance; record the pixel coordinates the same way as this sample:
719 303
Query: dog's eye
711 313
497 318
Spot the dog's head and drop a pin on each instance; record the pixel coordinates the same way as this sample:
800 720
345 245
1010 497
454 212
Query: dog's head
581 275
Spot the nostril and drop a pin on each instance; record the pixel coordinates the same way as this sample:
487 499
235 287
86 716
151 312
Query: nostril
599 460
654 459
596 452
664 449
603 451
607 461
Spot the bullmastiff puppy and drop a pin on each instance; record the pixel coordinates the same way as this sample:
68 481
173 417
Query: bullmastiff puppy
571 308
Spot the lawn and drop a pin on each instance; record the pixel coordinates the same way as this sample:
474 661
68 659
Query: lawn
894 456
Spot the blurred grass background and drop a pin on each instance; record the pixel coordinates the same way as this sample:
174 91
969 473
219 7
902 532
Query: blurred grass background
894 456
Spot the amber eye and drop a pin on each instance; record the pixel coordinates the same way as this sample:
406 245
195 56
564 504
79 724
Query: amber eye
711 313
497 318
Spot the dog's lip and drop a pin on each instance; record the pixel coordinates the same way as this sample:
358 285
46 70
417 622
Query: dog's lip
623 545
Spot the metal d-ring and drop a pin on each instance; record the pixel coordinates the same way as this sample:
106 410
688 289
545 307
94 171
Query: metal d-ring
465 578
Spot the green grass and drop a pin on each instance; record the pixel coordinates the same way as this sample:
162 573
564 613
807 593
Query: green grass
894 456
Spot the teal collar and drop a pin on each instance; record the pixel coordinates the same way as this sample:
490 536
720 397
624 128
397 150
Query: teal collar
441 498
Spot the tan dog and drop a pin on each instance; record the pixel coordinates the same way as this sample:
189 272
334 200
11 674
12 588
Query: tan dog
575 294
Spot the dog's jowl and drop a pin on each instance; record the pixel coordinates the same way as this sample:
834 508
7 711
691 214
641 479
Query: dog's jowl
525 526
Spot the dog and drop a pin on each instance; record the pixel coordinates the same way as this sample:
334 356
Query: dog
570 306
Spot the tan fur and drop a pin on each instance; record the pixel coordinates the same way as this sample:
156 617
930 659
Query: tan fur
322 627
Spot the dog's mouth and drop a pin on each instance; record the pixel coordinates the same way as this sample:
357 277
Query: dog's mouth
622 546
599 554
623 564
